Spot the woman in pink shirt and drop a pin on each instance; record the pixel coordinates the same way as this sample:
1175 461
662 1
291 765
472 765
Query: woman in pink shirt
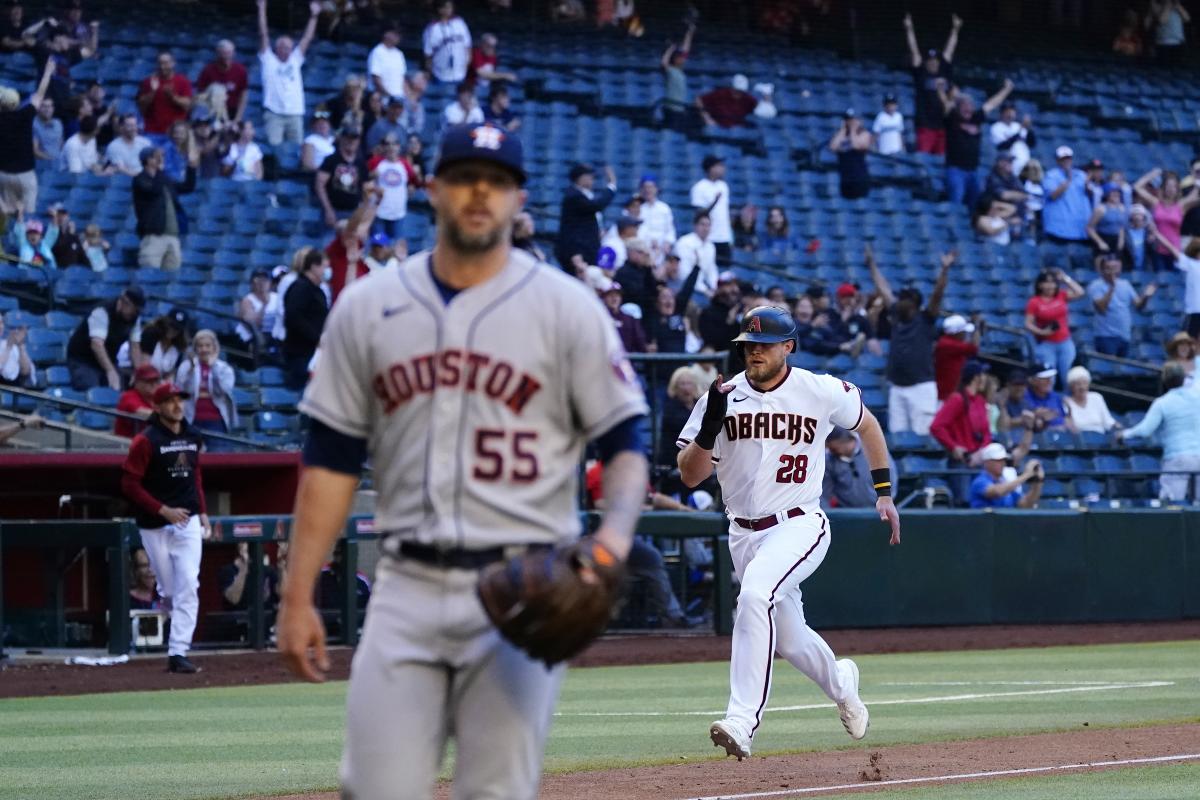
1046 320
1167 207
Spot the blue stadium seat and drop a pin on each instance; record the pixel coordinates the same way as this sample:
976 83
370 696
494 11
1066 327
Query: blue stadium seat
909 440
93 420
270 376
1072 465
1094 439
273 423
1141 462
103 396
276 398
1109 465
61 321
58 375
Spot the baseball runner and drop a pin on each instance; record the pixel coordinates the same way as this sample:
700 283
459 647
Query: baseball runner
161 477
765 431
473 376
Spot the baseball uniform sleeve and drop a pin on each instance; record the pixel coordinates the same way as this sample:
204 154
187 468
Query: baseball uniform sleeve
688 434
845 402
603 388
339 393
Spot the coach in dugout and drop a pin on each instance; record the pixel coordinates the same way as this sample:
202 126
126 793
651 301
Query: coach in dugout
162 480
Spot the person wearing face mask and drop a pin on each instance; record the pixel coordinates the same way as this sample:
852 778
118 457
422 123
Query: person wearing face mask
305 307
209 382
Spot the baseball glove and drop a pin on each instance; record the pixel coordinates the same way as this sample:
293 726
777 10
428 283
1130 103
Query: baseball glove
553 603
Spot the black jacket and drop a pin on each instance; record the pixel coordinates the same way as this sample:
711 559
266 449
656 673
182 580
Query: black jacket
150 198
304 311
578 231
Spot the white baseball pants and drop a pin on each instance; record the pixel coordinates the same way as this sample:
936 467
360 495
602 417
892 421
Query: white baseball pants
174 553
770 615
431 666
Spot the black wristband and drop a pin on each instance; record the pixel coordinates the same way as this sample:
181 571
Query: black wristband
882 480
705 440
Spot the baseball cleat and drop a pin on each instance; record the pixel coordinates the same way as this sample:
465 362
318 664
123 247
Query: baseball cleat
855 718
727 733
181 665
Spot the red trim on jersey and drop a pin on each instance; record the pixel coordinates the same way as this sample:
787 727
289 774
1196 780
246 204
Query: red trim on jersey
782 380
862 410
771 627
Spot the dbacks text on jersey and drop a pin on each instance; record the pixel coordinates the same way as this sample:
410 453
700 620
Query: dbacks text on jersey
778 425
475 372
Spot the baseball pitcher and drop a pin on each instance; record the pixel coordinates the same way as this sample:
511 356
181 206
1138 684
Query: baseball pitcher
473 376
765 432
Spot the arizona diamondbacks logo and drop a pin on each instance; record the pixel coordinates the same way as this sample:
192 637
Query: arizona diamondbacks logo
487 137
754 325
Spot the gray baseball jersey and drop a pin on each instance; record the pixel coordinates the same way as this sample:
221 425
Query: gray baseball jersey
475 411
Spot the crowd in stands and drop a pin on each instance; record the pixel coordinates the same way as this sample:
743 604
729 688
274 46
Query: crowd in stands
672 270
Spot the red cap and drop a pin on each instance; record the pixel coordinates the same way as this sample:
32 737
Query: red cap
847 290
146 372
166 391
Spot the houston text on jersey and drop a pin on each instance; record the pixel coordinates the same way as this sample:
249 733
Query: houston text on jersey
765 425
475 372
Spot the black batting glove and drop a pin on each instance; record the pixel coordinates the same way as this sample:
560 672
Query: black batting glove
714 416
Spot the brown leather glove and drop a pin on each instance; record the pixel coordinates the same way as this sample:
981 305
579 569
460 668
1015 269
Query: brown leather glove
553 603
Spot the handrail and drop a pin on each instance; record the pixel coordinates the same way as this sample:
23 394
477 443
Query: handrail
83 405
1148 366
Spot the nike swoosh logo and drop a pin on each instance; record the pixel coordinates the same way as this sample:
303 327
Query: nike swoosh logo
388 312
740 399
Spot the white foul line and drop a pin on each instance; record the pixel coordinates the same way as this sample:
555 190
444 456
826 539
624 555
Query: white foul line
872 703
942 778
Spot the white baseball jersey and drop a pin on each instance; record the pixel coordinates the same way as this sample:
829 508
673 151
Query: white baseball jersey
770 454
476 411
448 46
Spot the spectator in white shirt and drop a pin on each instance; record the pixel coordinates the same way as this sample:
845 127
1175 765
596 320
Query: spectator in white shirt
1013 137
888 127
283 79
465 110
79 152
447 45
613 251
386 65
658 221
710 195
318 145
391 175
1088 410
16 369
244 162
697 248
124 153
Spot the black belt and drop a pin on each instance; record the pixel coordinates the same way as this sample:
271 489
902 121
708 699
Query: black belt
762 523
456 557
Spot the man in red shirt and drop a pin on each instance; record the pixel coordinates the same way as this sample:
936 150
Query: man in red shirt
165 97
485 63
958 342
137 401
728 106
224 70
349 245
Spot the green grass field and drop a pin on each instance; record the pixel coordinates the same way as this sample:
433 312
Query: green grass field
217 743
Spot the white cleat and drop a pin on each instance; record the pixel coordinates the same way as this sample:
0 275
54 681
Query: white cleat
855 718
728 734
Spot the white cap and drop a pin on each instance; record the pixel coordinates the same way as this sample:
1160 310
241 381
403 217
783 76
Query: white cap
994 452
1064 152
957 323
1047 371
1138 208
741 83
632 309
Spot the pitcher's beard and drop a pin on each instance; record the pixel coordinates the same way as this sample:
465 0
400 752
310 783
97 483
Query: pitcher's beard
473 244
